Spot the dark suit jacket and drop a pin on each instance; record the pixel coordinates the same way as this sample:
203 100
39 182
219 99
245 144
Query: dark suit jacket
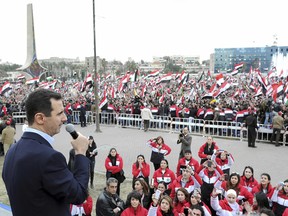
38 181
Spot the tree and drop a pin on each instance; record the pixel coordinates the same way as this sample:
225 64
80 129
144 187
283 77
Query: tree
130 66
104 64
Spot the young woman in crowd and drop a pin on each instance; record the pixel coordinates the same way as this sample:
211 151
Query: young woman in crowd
234 183
133 205
141 169
142 188
247 179
163 174
181 201
280 198
195 200
260 202
114 167
161 207
227 206
207 149
224 160
90 154
264 186
159 150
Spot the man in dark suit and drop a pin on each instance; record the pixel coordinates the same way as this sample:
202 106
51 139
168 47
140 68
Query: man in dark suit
251 124
36 176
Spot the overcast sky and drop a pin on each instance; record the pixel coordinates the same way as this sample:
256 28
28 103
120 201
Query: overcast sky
139 29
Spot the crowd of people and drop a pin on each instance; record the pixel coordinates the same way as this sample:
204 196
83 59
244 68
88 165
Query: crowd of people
196 188
205 187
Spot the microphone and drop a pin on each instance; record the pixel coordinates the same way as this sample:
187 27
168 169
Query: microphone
70 129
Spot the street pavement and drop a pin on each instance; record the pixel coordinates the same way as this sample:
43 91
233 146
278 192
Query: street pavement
132 142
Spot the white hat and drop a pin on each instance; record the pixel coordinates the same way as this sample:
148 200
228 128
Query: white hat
231 191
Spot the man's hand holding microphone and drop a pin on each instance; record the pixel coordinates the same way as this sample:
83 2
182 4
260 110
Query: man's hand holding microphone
79 142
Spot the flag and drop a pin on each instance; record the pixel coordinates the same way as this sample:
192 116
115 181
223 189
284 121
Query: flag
278 91
222 88
32 81
219 79
103 101
5 88
134 76
108 76
286 100
161 99
183 77
153 73
21 76
201 76
165 78
258 91
144 89
213 88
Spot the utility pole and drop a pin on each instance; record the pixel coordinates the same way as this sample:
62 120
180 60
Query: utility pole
96 88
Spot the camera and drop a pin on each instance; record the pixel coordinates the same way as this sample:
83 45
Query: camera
181 133
186 211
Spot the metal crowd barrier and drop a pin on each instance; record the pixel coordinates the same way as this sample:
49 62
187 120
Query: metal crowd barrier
223 129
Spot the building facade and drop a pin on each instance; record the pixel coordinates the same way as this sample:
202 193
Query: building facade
265 57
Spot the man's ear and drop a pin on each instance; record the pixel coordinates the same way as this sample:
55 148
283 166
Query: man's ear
39 118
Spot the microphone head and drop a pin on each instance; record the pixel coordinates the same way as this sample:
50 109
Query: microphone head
69 128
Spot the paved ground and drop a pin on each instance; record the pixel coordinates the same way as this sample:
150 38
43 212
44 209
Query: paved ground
131 142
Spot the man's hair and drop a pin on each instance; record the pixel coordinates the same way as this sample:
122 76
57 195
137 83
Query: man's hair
111 180
200 208
39 101
266 211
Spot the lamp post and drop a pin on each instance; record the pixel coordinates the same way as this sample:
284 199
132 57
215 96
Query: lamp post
96 88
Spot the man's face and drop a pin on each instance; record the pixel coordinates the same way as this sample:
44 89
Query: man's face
196 212
52 124
185 130
112 188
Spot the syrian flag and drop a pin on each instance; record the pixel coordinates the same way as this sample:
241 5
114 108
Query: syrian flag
133 77
201 76
88 79
278 91
183 77
286 100
112 92
237 68
269 90
108 76
258 91
5 88
262 81
143 91
32 81
219 79
213 88
165 78
222 88
20 77
153 73
123 82
236 93
161 99
252 87
103 101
